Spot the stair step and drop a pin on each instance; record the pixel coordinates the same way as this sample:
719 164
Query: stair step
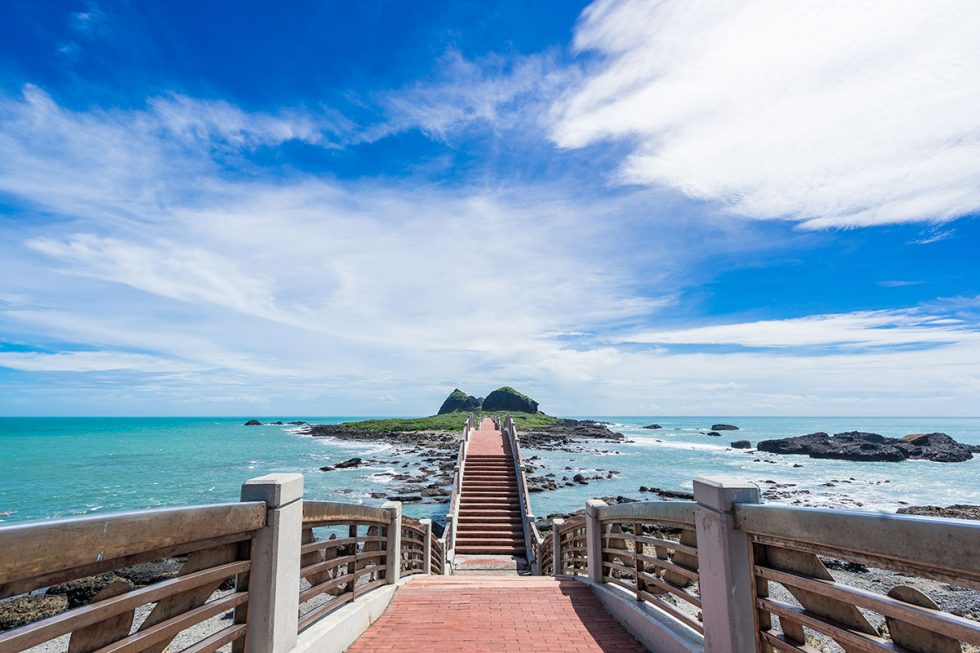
502 496
479 534
490 550
480 512
492 539
465 520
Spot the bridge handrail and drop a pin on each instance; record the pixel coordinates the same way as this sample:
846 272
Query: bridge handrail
216 539
448 540
532 538
787 544
718 556
358 556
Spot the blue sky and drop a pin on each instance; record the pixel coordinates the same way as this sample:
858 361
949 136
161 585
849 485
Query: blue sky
619 207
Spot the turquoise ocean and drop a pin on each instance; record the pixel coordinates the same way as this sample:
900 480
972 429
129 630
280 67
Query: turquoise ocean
70 466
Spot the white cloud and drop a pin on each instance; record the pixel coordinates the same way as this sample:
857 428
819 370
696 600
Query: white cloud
302 295
848 330
91 361
501 92
830 113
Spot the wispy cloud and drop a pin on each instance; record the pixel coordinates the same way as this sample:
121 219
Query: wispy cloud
91 361
497 92
843 331
832 114
898 283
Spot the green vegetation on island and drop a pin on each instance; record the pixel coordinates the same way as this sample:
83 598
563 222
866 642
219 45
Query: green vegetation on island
458 405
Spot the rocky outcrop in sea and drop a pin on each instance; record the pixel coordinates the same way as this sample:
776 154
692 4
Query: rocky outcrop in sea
857 445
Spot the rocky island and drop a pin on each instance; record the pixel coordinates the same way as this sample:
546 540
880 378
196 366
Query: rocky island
442 431
857 445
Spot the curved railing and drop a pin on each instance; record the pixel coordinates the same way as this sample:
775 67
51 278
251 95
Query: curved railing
791 546
217 543
437 557
348 559
448 540
532 538
413 547
650 549
562 550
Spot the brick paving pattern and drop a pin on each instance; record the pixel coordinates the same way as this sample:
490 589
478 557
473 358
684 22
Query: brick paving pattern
495 614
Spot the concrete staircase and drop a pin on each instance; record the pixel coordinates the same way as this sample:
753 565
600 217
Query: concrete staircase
489 511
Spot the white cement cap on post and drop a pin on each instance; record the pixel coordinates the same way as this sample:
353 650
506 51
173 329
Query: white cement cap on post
276 490
721 492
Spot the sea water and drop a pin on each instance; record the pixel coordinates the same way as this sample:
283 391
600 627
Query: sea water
70 466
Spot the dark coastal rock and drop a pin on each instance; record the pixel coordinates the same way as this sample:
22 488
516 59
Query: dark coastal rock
741 444
276 423
668 494
438 440
562 436
956 511
350 462
253 422
147 573
859 445
406 498
326 468
459 401
29 609
714 434
297 423
507 398
580 479
724 427
80 592
653 427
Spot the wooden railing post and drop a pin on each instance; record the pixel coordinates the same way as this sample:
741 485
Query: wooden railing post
724 565
393 561
427 547
273 584
593 539
556 525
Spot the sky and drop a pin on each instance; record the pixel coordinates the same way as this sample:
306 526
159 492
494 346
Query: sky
620 208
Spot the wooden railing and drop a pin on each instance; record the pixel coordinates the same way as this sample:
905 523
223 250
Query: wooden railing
215 543
562 550
414 535
786 548
347 560
437 556
752 577
650 549
273 564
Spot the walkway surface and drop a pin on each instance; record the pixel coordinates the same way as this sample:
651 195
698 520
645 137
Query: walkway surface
489 506
484 614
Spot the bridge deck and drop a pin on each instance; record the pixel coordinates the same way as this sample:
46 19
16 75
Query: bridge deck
483 614
489 522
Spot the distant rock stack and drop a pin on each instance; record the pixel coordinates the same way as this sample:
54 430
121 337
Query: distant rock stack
459 401
507 398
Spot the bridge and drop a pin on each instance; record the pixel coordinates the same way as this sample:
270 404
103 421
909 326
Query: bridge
279 572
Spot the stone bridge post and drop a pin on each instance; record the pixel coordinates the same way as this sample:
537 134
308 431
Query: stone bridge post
273 582
724 565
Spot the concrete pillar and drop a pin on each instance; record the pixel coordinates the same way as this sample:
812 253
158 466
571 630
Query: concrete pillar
427 547
393 561
724 565
273 584
593 538
556 525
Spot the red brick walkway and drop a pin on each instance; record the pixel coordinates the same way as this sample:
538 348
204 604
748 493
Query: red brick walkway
487 440
495 614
